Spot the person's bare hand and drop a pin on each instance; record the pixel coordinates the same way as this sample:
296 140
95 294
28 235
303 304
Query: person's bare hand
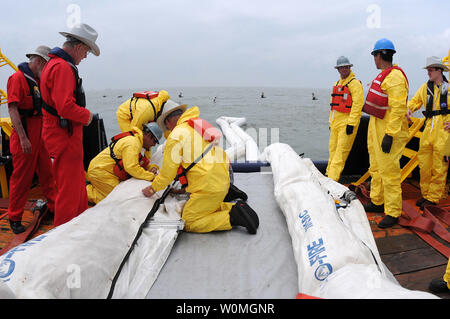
26 145
408 115
148 191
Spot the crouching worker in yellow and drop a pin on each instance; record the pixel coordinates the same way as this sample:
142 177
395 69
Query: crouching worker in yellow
346 109
122 160
434 96
141 108
208 181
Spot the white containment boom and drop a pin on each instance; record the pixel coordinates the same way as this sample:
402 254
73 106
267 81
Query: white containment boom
334 247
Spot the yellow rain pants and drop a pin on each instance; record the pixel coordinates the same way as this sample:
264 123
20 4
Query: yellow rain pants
136 112
447 274
385 167
340 143
101 169
208 180
433 168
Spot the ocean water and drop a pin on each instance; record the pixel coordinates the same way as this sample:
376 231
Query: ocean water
286 115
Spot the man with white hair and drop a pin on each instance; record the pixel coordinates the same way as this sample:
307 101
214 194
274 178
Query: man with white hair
434 96
65 114
28 152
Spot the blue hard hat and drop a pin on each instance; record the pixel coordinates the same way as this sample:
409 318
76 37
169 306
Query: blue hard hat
383 44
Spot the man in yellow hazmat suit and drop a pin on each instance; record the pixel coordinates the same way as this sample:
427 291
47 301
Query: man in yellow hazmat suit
141 109
433 167
439 285
346 108
387 133
208 181
122 160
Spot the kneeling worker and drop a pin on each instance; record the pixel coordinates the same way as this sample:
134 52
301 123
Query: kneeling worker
208 180
122 160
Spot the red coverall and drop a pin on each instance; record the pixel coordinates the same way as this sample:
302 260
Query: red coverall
57 89
25 165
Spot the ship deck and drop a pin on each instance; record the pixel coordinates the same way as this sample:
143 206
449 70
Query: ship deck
411 260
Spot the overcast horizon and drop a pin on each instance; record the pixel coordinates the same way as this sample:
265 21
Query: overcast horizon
232 43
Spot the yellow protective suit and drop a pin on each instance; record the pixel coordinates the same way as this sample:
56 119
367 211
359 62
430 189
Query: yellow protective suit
433 168
447 274
208 180
385 167
101 169
340 143
136 112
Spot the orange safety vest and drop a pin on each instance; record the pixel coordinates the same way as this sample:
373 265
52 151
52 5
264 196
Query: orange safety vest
208 132
341 98
377 100
146 94
119 170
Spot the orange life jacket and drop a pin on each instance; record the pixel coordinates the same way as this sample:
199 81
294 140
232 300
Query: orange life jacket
119 170
146 94
341 98
377 103
208 132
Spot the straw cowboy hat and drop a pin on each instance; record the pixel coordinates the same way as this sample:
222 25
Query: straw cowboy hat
435 62
169 107
41 51
85 34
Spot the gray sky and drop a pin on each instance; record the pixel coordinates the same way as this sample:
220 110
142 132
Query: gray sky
168 43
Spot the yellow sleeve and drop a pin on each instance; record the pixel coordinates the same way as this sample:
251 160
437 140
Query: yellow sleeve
171 161
123 111
330 118
130 155
148 153
396 88
356 90
418 100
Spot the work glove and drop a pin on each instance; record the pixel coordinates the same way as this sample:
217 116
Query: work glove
349 129
386 144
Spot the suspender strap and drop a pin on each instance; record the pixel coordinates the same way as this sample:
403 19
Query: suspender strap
429 113
113 143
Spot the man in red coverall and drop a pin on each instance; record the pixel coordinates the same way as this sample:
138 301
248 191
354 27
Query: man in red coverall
28 152
64 116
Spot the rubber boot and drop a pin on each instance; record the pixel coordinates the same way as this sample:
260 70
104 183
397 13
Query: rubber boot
426 202
371 207
16 227
235 193
388 221
438 285
243 215
420 201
